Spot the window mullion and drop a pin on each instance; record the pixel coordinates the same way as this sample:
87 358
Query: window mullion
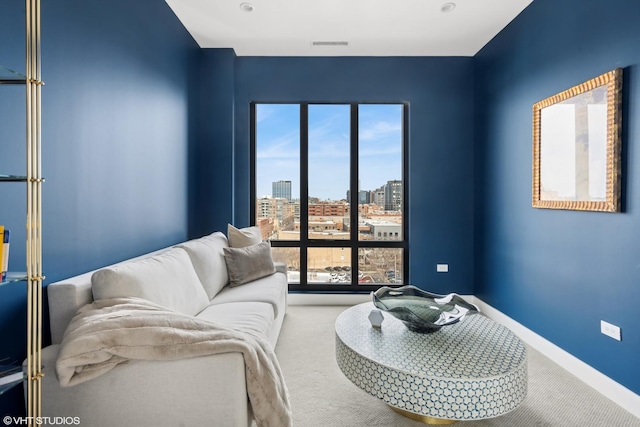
405 193
252 167
355 194
304 191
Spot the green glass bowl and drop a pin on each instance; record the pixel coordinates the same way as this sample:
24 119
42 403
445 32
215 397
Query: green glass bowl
422 311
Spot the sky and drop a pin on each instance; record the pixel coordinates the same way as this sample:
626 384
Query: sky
278 147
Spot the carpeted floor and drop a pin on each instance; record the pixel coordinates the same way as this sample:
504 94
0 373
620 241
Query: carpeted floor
321 396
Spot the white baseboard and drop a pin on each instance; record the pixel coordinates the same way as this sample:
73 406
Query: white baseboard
303 298
611 389
327 299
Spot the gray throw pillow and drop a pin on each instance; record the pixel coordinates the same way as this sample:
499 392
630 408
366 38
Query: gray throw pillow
249 263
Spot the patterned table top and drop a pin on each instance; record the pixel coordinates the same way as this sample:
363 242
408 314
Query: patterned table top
473 369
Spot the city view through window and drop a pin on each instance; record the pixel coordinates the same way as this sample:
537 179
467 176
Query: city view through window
313 169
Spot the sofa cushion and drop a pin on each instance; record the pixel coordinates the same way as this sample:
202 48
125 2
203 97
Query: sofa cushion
167 279
249 263
207 256
241 237
255 317
270 289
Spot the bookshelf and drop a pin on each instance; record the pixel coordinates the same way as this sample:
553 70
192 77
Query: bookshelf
13 178
6 387
33 277
13 277
10 376
11 77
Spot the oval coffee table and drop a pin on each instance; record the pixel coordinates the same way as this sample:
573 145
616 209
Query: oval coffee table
470 370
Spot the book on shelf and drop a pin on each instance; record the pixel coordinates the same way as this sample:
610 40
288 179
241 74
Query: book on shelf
6 238
10 374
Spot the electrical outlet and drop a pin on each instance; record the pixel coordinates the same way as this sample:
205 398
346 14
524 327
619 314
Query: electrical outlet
610 330
442 268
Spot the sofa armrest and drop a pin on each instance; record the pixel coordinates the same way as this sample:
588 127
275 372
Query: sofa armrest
281 267
205 389
65 299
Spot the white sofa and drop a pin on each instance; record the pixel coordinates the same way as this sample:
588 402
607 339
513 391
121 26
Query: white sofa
203 391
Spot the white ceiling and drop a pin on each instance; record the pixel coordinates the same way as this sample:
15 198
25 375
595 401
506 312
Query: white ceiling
371 27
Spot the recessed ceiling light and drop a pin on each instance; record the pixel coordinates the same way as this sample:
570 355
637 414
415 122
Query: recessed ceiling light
343 43
447 7
246 7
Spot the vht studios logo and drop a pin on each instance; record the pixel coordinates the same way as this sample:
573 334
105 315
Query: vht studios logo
45 421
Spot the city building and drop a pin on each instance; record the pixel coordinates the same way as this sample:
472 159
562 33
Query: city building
267 228
385 230
364 197
393 196
378 196
281 190
280 209
329 209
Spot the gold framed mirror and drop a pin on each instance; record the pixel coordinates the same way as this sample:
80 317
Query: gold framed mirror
576 147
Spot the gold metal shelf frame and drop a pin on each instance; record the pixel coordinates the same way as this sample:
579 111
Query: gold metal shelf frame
34 212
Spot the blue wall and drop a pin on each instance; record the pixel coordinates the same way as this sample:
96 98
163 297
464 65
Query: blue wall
115 141
440 94
559 272
211 157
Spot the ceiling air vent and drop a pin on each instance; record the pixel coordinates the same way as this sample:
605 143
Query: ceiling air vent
330 43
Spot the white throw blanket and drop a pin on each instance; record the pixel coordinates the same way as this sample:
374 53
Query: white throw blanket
113 331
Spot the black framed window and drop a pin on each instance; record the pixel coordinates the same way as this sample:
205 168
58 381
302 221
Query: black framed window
328 189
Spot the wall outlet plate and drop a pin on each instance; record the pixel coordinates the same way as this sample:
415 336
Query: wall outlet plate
610 330
442 268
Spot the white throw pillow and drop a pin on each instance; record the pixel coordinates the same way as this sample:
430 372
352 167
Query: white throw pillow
242 237
249 263
207 256
167 279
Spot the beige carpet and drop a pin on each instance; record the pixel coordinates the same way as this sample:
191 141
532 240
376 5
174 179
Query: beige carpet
321 396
